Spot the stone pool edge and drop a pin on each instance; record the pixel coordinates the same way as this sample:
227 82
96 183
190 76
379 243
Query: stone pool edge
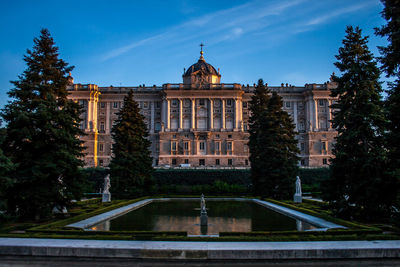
319 222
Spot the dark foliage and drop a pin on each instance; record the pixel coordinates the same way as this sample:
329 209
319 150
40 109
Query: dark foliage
273 146
391 65
131 165
359 185
42 134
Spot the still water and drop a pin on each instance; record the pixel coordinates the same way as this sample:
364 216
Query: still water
183 215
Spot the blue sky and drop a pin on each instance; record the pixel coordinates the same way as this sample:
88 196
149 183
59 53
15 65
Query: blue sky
150 42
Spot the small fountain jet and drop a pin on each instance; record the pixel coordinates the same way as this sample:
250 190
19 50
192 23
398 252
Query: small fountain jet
203 215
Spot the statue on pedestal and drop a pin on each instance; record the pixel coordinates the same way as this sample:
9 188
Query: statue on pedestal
106 189
203 212
297 198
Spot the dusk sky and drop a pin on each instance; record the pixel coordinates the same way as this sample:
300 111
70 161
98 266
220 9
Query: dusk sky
150 42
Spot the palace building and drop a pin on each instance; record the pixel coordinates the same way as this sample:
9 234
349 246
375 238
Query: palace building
203 122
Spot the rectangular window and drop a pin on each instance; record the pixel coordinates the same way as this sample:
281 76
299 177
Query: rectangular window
173 146
324 161
302 147
246 162
158 104
217 162
101 147
173 161
324 145
302 162
174 102
157 127
115 104
287 104
186 146
217 146
230 162
202 146
102 104
229 102
102 127
321 103
245 104
186 161
101 163
202 162
145 104
229 146
201 102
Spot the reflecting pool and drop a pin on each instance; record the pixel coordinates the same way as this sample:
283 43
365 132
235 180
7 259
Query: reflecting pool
183 215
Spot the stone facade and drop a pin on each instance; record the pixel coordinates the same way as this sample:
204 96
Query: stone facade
203 122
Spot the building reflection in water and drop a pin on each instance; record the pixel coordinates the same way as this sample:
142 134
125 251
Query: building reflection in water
191 225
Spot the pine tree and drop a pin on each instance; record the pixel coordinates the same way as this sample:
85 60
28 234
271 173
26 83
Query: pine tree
357 185
391 65
258 106
131 165
42 134
6 181
272 139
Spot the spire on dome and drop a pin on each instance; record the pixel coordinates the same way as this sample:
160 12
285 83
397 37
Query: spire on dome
201 52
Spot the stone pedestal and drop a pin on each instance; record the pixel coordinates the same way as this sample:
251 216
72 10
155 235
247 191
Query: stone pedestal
106 197
203 220
297 198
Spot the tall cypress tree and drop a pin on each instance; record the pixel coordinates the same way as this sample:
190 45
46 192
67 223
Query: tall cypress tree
131 165
42 134
258 106
357 185
273 146
6 181
391 65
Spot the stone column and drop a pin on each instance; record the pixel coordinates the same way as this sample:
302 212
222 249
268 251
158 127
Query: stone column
193 113
211 108
310 114
89 112
223 114
180 114
236 117
152 117
295 115
241 115
168 114
164 113
329 114
316 126
108 117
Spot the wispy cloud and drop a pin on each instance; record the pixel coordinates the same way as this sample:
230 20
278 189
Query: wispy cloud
218 26
336 13
272 19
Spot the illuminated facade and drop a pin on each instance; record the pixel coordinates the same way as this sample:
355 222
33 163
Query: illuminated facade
203 122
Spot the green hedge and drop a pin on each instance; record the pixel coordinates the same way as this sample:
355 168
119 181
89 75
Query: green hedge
201 177
84 215
322 214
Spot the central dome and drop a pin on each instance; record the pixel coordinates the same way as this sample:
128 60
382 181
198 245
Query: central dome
201 65
201 73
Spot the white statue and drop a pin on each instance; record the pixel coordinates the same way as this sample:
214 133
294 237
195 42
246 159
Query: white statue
106 196
297 198
298 186
107 184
